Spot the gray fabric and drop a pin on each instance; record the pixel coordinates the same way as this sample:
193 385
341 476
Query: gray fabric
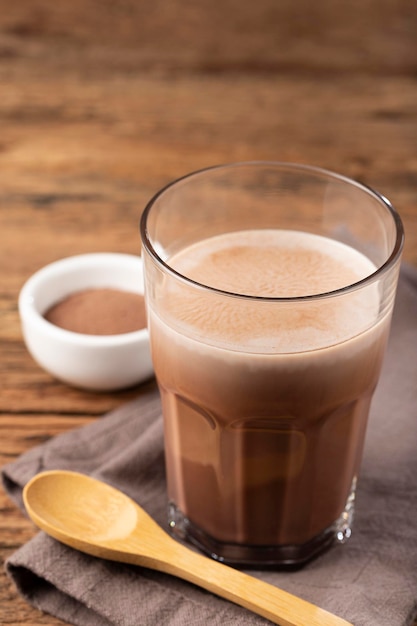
371 581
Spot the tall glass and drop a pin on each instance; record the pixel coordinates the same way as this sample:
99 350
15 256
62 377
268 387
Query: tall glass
269 288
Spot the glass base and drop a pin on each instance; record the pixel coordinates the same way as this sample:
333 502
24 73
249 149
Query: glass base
262 556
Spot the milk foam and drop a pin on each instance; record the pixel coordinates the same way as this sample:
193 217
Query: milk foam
271 264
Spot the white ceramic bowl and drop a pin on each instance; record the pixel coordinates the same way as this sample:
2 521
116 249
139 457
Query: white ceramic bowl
95 362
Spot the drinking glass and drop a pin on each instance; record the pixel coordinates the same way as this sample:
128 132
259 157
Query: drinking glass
269 289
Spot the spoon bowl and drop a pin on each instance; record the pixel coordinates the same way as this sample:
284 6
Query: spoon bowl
95 518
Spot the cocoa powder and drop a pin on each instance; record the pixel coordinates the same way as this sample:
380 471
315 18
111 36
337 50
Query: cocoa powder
99 312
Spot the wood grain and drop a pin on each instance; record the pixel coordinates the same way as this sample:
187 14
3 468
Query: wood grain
104 101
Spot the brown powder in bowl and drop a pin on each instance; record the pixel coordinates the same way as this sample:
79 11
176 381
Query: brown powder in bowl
99 312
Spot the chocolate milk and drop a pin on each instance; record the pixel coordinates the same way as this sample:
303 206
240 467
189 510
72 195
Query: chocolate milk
266 402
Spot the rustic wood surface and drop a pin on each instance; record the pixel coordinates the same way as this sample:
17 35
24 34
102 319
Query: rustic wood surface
104 101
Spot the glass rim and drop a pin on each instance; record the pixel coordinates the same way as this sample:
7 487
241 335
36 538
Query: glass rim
368 280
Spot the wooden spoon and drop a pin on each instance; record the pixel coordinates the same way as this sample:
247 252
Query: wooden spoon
95 518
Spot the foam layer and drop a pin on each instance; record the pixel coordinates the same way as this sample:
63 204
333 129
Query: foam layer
272 264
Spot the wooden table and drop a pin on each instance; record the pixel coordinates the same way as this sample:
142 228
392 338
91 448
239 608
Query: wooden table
101 103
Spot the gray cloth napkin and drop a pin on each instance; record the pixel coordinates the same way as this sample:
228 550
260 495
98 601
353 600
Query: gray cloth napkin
370 581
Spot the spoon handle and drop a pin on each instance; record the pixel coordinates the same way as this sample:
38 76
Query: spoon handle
259 597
